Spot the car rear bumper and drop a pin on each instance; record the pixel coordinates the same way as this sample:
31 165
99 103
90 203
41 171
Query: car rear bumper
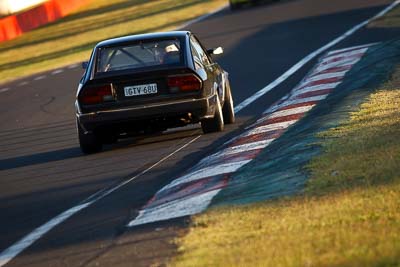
199 108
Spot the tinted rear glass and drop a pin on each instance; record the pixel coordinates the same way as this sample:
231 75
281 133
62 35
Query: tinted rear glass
139 55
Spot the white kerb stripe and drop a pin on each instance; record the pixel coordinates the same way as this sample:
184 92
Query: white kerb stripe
351 54
39 78
325 76
288 112
295 101
269 127
304 100
28 240
73 66
175 209
4 90
342 63
315 88
234 150
350 48
245 147
206 172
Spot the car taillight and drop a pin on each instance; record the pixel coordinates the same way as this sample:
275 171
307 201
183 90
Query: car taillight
184 83
96 95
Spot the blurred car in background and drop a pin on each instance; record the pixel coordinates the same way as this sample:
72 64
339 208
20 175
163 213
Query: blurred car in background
148 83
236 4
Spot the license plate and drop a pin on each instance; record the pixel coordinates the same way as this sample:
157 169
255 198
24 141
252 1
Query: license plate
143 89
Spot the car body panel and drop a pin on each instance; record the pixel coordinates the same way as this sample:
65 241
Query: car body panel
165 108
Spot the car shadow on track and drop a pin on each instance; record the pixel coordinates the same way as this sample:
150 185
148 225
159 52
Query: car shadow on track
75 152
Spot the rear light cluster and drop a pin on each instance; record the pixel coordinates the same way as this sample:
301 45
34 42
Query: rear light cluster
96 95
184 83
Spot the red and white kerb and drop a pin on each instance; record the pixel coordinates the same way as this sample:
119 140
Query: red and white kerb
193 192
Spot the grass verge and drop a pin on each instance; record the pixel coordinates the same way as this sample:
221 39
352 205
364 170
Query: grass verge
348 216
71 39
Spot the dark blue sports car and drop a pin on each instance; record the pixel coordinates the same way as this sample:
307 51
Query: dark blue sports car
148 83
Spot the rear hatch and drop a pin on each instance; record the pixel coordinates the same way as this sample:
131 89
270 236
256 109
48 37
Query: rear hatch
138 89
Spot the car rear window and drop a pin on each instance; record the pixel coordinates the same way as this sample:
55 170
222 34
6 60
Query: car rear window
139 55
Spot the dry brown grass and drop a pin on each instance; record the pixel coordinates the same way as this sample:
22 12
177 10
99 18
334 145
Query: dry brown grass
71 39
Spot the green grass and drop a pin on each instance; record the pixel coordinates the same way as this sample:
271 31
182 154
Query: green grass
348 216
365 152
71 39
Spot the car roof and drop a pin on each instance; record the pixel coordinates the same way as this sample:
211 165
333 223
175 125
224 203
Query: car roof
140 37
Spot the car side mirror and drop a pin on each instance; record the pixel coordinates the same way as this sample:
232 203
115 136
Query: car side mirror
85 64
216 51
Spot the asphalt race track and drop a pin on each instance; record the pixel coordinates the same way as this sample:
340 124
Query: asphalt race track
43 173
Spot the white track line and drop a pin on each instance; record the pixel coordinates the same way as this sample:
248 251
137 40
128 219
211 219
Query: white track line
23 83
294 102
269 128
38 78
57 72
11 252
4 90
311 56
73 66
245 147
28 240
283 113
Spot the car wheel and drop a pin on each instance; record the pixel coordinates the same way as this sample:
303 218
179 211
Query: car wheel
215 124
88 142
228 111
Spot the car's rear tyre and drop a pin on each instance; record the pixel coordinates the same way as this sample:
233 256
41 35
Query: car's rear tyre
215 124
228 110
89 142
